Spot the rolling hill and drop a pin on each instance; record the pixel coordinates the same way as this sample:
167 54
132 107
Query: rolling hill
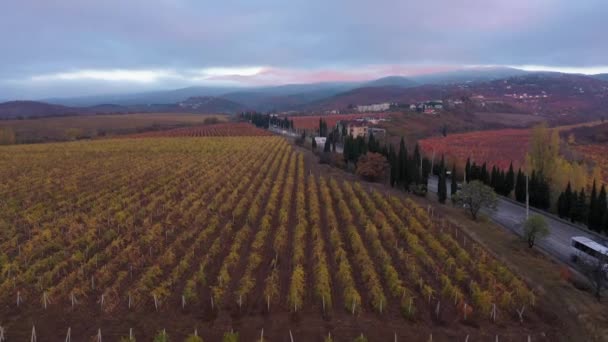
29 109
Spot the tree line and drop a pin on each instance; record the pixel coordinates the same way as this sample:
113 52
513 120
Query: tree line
593 212
266 120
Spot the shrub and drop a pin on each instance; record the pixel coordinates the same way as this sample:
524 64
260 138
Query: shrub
161 336
231 337
193 338
372 166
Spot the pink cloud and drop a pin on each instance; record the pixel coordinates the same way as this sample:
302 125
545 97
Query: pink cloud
272 75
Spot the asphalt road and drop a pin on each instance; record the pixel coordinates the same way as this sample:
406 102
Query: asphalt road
511 216
288 133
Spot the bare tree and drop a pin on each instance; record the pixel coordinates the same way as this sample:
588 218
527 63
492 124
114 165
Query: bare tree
476 195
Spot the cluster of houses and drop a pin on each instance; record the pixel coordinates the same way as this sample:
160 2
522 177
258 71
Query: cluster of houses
527 96
361 127
378 107
427 107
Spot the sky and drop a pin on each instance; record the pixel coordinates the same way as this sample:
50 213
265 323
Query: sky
59 48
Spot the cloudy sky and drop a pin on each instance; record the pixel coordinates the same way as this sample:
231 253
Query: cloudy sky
81 47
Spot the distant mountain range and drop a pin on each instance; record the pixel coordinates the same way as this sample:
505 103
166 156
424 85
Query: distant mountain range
511 90
603 77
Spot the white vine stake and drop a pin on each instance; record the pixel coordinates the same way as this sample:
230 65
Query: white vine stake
496 338
92 283
102 301
466 339
19 299
2 338
290 336
262 335
409 307
45 299
529 338
129 301
33 339
437 308
195 332
183 302
521 314
68 337
130 334
493 315
73 299
99 335
211 302
395 340
431 338
155 303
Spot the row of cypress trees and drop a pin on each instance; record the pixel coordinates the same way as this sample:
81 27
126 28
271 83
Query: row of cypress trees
574 205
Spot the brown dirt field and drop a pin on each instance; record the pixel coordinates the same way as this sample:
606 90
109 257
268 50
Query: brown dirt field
92 126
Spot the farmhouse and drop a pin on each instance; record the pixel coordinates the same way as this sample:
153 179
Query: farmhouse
320 141
357 129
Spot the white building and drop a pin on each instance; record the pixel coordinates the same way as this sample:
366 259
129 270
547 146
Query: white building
379 107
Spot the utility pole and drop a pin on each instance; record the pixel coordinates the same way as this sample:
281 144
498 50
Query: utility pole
527 198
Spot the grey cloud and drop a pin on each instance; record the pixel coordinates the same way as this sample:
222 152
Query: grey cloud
45 37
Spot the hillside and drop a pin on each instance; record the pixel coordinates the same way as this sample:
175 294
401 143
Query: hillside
392 81
28 109
210 104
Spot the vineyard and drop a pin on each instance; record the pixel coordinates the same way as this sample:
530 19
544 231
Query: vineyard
216 130
497 148
234 233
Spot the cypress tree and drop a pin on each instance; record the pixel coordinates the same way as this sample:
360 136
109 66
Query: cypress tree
392 158
509 180
494 180
544 193
467 170
442 189
484 174
574 207
403 179
595 217
603 208
372 143
561 205
582 206
414 166
454 183
568 201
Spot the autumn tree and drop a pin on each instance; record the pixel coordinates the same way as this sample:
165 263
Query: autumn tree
544 149
535 228
474 196
372 166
